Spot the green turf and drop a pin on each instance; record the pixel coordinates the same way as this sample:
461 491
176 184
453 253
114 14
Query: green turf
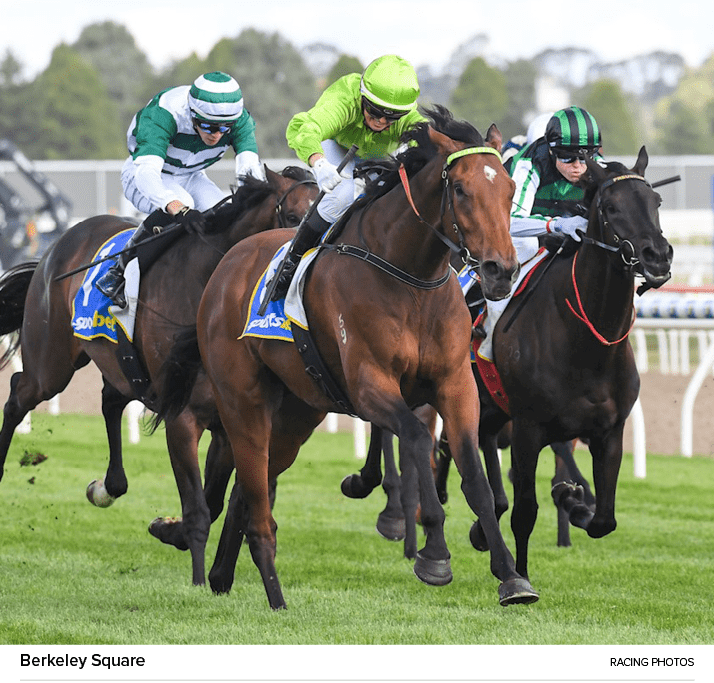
76 574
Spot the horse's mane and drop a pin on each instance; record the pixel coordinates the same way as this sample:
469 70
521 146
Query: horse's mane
419 152
250 194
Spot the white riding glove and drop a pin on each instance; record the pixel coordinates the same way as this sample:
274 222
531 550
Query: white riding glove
248 163
326 175
571 226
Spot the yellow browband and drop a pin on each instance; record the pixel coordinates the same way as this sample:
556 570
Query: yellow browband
471 150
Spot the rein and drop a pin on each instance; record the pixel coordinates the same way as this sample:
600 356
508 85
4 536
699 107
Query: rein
460 249
630 262
582 316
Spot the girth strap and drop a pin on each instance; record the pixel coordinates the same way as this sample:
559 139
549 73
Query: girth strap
387 267
316 368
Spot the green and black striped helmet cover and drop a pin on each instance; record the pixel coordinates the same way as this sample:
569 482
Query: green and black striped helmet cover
573 128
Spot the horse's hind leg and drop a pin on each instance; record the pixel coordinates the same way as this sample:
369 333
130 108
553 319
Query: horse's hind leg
362 484
391 521
103 492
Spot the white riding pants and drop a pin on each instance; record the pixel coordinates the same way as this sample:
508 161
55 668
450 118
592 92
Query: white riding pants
195 190
338 200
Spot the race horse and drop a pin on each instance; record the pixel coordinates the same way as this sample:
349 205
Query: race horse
389 322
564 359
566 368
37 300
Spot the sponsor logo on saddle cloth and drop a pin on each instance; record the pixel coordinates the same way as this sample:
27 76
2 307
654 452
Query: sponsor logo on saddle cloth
93 314
281 314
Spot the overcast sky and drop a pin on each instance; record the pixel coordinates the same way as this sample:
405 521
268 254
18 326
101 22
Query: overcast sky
422 31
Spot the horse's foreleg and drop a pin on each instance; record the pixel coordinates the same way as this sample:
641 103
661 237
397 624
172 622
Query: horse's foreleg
525 449
182 435
391 522
13 414
607 458
103 492
362 484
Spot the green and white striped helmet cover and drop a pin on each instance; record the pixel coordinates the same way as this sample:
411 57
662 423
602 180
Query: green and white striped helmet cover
215 96
573 128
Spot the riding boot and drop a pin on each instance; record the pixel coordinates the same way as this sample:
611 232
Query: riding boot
111 284
307 236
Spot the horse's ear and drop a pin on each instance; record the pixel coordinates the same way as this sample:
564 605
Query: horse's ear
442 142
493 137
270 176
595 172
641 163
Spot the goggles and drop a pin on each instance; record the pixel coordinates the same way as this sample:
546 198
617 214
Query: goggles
570 156
380 113
212 128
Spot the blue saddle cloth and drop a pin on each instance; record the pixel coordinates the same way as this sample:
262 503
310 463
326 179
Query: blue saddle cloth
91 317
274 324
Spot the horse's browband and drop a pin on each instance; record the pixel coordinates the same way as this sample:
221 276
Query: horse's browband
627 176
471 150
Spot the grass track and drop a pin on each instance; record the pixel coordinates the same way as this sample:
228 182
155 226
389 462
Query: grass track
75 574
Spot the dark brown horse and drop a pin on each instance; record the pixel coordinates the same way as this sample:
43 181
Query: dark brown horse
34 301
565 361
392 330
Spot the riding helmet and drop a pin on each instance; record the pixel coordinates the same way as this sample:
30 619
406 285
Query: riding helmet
572 129
390 83
216 97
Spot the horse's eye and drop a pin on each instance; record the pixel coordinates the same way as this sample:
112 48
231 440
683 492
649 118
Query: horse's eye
459 190
292 219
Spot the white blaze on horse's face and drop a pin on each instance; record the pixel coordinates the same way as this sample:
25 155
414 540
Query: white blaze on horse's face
490 173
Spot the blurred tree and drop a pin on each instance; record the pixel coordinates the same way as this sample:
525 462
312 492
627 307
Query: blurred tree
182 72
682 130
71 115
520 84
275 81
605 100
343 66
10 70
14 97
122 66
481 95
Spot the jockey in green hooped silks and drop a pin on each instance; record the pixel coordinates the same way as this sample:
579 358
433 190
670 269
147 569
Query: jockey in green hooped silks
371 110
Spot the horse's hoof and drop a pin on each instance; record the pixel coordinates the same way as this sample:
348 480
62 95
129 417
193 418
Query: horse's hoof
97 494
433 572
477 537
169 530
353 487
516 592
391 528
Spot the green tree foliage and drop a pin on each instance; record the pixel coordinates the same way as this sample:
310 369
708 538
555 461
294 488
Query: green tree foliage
14 97
343 66
481 95
520 84
121 65
275 81
72 115
605 100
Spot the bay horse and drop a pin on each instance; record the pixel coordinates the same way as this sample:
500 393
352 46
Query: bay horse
565 360
39 305
390 324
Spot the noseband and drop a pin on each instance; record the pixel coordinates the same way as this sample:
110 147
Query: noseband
447 201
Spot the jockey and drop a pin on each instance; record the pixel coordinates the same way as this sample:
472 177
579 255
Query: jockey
371 110
546 174
172 140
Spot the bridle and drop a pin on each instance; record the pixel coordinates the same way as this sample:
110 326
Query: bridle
630 261
447 202
624 248
279 209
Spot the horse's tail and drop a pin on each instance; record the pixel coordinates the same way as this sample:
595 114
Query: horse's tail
14 284
177 376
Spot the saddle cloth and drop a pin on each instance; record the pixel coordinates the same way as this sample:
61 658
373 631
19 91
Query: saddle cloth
93 314
484 358
280 314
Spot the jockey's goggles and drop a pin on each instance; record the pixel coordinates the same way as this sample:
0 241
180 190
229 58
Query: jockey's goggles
380 113
570 156
212 128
